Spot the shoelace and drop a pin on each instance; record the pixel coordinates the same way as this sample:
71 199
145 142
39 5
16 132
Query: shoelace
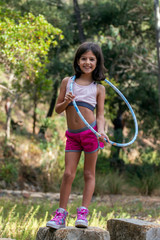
58 216
82 214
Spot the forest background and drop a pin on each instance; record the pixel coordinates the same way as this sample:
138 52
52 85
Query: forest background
38 40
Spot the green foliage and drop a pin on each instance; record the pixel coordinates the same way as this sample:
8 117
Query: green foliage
9 170
144 177
25 42
103 164
129 50
96 219
111 97
127 38
115 183
101 184
22 220
144 174
31 47
2 117
52 159
149 156
23 227
46 122
25 45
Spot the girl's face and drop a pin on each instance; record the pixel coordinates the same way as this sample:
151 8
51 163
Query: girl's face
87 62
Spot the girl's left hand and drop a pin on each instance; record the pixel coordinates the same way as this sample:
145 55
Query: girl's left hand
101 138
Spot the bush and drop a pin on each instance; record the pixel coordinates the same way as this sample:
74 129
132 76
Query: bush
150 156
101 184
144 177
103 164
9 171
112 183
115 183
106 164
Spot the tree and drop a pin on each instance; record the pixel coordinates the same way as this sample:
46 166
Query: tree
157 17
79 22
25 43
8 108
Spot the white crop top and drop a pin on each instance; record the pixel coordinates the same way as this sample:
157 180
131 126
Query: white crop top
84 95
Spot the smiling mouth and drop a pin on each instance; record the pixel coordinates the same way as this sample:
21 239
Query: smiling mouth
87 67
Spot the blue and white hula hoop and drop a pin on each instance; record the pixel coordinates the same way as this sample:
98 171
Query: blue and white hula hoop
96 133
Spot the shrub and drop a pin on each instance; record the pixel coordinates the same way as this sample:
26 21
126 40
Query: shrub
103 164
115 183
144 178
101 184
8 171
150 156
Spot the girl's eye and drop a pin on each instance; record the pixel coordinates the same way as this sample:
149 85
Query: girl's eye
91 59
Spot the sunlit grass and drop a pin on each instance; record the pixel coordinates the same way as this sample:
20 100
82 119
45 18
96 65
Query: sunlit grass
21 227
21 219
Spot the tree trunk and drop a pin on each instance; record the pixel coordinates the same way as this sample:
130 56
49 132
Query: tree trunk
9 106
52 104
118 123
34 113
8 113
157 16
8 124
79 21
118 135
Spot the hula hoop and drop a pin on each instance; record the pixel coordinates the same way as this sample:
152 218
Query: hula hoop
96 133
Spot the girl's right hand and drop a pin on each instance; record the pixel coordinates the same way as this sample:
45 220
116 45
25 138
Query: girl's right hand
101 138
69 97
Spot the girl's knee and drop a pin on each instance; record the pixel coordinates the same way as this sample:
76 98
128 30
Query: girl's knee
68 176
88 175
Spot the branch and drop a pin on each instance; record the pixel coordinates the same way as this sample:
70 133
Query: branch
154 66
7 89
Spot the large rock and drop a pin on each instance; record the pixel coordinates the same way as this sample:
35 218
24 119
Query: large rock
133 229
72 233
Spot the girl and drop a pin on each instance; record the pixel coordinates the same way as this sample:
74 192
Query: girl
89 69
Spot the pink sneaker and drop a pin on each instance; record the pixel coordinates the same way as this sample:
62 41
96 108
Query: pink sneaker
82 221
58 221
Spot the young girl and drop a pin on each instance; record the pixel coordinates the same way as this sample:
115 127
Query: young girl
88 94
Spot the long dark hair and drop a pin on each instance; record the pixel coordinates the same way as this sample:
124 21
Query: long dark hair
98 73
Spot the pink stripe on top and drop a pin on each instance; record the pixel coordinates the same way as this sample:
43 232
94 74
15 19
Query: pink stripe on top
84 93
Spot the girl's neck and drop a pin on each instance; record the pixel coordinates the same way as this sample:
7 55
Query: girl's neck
87 78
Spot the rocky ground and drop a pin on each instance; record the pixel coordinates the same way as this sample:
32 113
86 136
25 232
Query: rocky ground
109 200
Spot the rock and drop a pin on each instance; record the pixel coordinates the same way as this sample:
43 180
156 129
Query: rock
72 233
26 194
6 239
37 195
3 184
129 229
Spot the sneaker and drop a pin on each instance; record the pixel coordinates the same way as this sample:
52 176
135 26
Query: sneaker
58 221
82 221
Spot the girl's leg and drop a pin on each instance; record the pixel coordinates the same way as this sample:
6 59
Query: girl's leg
89 177
71 162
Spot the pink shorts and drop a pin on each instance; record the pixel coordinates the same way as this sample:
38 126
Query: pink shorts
82 140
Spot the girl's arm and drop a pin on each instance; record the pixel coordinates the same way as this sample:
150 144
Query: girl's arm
100 112
63 99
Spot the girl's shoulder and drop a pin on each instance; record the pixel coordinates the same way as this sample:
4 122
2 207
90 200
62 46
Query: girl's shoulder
100 87
65 81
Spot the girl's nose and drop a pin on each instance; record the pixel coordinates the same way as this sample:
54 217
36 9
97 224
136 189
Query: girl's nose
87 60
